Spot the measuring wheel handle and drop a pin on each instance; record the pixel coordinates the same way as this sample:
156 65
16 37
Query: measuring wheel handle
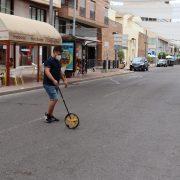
72 121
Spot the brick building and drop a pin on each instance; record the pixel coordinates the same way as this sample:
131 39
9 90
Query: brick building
91 16
107 36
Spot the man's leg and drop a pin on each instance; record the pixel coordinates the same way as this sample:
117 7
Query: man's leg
51 107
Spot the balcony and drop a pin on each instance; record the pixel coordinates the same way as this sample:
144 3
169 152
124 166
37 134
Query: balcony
82 12
82 16
69 3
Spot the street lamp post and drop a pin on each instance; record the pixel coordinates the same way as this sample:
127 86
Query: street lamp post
74 19
146 44
116 47
51 12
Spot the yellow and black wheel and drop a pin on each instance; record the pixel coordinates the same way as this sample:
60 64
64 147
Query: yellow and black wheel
72 121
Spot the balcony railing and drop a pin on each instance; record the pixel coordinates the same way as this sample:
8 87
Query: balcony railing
106 20
92 15
82 12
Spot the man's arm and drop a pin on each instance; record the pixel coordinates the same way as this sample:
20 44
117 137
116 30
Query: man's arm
49 75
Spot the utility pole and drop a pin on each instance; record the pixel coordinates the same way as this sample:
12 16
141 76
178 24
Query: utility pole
49 49
51 12
74 19
146 44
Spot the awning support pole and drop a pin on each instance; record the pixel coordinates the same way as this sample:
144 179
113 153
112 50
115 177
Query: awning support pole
7 64
38 66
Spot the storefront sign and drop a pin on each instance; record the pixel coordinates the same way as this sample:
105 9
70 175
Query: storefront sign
69 46
117 39
33 39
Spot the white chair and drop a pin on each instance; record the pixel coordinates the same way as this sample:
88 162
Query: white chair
14 76
35 68
17 74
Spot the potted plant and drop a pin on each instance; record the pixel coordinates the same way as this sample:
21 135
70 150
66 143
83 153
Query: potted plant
121 58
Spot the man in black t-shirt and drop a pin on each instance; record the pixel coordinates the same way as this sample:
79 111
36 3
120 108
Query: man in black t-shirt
52 76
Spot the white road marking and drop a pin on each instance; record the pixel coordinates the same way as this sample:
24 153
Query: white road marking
20 93
115 81
20 125
110 94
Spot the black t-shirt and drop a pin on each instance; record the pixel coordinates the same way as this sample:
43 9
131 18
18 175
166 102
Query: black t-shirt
55 69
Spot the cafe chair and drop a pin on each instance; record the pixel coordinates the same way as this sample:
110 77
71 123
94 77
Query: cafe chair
14 76
35 68
17 74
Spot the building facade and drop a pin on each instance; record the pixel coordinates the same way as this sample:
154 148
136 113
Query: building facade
107 47
142 45
91 16
28 49
157 44
135 45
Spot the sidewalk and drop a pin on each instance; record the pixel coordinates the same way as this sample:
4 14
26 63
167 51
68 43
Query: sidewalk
98 74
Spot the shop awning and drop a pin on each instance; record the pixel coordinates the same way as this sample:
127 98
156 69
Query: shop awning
88 39
57 3
84 39
24 30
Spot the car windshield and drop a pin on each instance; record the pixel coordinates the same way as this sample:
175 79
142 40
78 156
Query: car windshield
137 60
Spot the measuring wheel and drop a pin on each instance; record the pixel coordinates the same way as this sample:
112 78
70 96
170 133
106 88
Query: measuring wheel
71 121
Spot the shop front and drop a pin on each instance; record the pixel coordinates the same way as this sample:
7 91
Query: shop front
21 46
83 53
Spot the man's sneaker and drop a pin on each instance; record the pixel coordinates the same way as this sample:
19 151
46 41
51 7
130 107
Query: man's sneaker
48 118
54 118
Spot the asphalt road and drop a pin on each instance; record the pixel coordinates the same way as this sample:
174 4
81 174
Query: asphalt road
130 130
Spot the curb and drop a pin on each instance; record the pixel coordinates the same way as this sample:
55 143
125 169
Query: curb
71 83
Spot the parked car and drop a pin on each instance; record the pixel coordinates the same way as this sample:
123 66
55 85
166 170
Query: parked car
170 62
162 63
139 63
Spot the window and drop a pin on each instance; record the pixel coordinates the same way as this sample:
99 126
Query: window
37 14
83 8
92 10
152 41
63 2
6 6
83 3
106 19
60 25
71 3
26 55
92 6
